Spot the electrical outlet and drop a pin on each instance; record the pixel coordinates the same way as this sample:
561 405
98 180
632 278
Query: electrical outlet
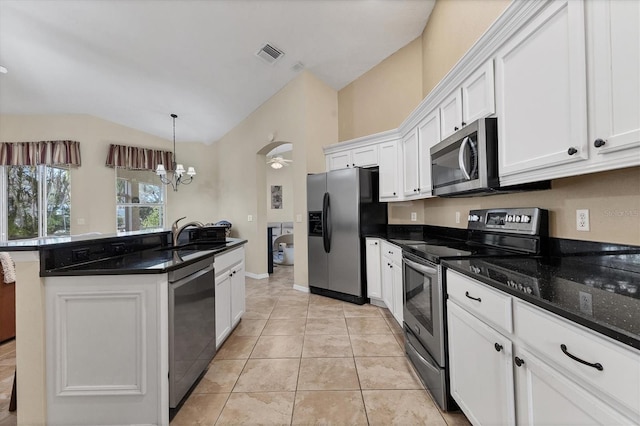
414 216
250 218
298 217
457 217
582 220
586 307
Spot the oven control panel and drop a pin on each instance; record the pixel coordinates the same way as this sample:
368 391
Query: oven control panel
528 220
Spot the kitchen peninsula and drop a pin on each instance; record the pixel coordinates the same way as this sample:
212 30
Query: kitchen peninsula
94 320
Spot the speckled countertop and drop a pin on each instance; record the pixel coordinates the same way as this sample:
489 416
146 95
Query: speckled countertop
557 284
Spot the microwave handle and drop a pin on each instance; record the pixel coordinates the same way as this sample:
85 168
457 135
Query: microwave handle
467 141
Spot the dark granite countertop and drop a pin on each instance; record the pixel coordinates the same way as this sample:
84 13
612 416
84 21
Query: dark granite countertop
45 242
598 291
150 261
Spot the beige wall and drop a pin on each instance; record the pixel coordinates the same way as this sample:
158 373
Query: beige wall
613 200
383 97
453 27
303 113
282 177
93 200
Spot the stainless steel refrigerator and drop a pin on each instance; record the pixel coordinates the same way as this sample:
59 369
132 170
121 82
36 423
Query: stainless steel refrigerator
342 208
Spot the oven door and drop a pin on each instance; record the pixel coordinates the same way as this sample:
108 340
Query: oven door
422 308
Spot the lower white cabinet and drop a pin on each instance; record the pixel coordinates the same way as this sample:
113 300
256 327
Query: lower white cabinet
230 292
481 373
374 279
392 292
525 375
547 397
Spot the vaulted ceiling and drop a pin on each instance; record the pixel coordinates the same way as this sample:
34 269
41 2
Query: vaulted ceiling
134 62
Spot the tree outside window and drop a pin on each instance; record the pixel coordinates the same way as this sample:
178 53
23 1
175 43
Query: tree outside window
38 201
140 200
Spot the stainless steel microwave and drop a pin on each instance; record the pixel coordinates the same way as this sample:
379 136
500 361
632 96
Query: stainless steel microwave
466 163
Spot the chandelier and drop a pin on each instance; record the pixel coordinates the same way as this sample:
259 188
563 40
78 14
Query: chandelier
178 169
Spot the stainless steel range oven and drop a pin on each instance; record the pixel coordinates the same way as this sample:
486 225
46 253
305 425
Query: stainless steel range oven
491 233
424 323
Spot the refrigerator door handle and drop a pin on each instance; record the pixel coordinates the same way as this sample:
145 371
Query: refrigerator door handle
326 223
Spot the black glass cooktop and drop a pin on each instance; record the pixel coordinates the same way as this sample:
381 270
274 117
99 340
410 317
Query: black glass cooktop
437 249
601 291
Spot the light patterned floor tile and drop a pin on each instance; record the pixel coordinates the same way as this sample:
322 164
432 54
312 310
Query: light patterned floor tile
329 407
258 408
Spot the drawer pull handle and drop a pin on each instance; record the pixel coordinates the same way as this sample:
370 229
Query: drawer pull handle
597 365
466 293
519 361
498 347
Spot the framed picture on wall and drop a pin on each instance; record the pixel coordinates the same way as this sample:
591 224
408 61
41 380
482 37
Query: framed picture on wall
276 196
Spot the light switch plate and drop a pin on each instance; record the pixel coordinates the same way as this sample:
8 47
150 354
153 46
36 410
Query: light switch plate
298 217
250 218
414 216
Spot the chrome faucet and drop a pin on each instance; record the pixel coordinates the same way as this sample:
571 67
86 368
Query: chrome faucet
175 231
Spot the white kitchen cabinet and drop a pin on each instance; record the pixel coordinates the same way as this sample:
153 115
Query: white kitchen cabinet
481 372
428 136
392 292
374 278
541 96
546 397
237 293
223 307
411 164
389 171
230 292
613 43
478 94
365 156
450 111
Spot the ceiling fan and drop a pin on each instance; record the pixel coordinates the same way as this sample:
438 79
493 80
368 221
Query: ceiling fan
278 162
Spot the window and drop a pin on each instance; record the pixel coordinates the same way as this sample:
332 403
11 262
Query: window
36 201
140 200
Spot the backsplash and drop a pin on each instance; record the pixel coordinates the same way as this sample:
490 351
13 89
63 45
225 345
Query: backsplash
613 200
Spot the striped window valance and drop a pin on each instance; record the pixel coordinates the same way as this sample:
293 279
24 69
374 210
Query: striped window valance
136 158
53 153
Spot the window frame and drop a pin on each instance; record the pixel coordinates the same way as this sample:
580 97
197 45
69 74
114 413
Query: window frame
163 205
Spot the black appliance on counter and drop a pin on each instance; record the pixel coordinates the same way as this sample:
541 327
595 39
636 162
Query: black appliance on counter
490 233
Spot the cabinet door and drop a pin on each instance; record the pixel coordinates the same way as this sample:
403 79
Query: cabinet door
451 114
481 373
339 160
614 82
428 136
237 293
366 156
478 95
410 162
398 293
374 278
387 283
223 306
541 95
546 397
388 171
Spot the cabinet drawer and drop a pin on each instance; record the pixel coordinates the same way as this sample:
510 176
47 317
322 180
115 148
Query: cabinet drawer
487 304
227 259
392 252
543 333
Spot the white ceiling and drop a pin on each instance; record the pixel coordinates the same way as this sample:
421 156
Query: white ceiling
134 62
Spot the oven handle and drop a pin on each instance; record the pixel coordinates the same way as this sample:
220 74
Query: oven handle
465 142
420 268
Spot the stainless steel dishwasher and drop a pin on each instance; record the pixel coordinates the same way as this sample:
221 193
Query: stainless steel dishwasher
192 327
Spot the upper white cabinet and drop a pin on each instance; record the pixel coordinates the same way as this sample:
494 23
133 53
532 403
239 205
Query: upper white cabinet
411 164
450 111
365 156
613 41
474 99
389 171
541 97
428 136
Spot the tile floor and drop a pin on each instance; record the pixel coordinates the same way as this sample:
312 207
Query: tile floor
297 358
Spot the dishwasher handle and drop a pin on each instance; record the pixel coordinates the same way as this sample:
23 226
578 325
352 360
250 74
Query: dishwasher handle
191 277
420 268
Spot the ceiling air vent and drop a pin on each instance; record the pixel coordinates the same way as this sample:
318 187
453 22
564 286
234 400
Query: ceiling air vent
269 53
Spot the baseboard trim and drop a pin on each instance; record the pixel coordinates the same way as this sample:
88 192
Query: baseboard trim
256 276
301 288
377 302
